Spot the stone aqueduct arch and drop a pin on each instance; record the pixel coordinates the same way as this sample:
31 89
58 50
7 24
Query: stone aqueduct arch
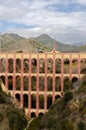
39 77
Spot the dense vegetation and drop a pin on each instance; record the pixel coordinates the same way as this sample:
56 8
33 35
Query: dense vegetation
11 116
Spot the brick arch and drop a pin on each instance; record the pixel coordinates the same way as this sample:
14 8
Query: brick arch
10 65
26 83
49 83
58 83
33 65
41 83
33 83
33 114
18 65
2 77
41 114
74 79
18 82
3 65
83 66
33 101
66 83
49 65
10 82
17 96
58 65
74 66
41 101
25 100
49 100
66 66
57 97
41 65
26 65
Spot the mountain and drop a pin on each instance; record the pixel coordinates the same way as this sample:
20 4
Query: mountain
78 44
13 42
48 41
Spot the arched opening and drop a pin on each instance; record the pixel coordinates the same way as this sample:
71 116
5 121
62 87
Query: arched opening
66 66
41 83
66 83
57 84
74 66
50 66
10 82
25 83
83 66
58 66
34 65
25 101
18 82
18 66
3 65
17 97
74 79
41 66
57 97
26 65
33 101
10 65
33 115
41 114
33 83
49 101
49 83
41 101
3 79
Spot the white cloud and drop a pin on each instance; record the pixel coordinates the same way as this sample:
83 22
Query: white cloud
65 26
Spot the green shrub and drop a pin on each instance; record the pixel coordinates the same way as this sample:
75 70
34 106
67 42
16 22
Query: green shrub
81 125
68 96
16 118
1 117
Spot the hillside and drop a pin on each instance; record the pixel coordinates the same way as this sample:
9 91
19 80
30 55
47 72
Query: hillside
48 41
11 116
82 48
68 113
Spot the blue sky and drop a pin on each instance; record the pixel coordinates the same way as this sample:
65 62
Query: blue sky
64 20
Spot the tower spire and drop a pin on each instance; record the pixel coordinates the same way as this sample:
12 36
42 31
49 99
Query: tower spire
54 46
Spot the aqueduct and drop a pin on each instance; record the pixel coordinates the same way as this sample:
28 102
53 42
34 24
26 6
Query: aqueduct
37 79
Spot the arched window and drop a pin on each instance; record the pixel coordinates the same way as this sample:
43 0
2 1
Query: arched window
41 66
33 101
33 83
49 83
74 66
18 82
25 82
50 66
10 82
41 101
58 66
10 65
34 65
49 101
66 66
18 66
26 65
41 83
25 99
83 66
57 84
